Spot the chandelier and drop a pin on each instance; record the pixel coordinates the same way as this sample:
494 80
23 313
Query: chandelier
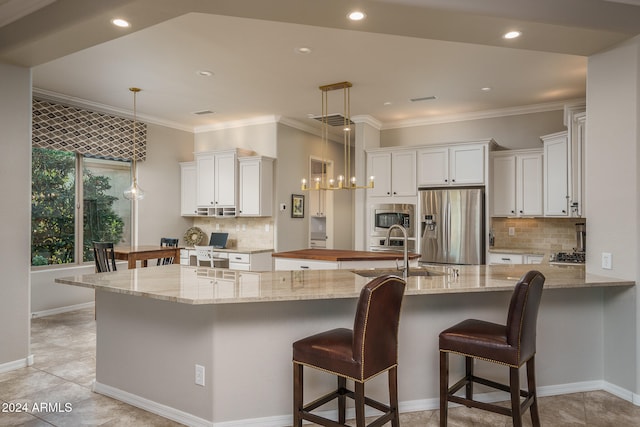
134 192
324 182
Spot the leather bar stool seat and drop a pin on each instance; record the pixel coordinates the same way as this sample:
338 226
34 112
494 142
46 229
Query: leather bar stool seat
357 354
512 345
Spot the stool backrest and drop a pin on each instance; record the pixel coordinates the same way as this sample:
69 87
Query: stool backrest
375 330
523 314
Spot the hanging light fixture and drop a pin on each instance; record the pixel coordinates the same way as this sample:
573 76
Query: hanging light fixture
324 182
134 192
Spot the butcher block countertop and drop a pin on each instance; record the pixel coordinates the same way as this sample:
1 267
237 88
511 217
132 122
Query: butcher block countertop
342 255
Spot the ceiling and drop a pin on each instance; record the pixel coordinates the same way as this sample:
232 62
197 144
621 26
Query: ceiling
403 49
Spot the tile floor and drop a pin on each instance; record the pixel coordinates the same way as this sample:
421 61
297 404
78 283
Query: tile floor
64 349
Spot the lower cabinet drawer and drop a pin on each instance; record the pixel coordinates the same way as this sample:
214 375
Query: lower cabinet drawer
239 258
496 258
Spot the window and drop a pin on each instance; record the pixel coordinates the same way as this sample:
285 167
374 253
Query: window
63 230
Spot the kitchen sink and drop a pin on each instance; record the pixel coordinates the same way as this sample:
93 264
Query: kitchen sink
413 272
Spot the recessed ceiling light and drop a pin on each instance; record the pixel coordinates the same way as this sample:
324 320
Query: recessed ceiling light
119 22
387 103
204 73
485 89
356 15
512 35
303 50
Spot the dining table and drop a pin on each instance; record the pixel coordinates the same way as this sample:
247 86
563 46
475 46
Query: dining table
143 253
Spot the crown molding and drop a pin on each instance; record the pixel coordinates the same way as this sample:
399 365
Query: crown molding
72 101
260 120
488 114
370 120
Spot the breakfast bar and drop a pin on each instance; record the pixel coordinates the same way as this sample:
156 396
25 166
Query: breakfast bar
157 326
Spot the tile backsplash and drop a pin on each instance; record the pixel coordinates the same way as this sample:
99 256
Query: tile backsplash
545 234
251 233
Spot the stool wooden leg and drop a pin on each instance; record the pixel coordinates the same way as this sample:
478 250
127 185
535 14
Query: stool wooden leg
514 385
359 403
297 394
444 387
531 384
393 396
342 384
468 361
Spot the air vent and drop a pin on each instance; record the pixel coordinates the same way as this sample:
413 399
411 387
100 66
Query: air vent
334 120
424 98
203 112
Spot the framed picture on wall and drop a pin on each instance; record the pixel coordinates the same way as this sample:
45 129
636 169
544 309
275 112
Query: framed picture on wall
297 206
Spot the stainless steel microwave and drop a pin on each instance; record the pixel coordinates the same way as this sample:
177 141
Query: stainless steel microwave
386 215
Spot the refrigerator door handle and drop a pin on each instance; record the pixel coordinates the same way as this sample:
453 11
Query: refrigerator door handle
447 224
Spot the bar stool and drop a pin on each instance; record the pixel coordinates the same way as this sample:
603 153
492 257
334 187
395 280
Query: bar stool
358 354
512 345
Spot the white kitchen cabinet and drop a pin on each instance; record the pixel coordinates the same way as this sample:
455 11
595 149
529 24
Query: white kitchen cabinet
256 186
217 182
244 261
462 164
188 204
394 172
556 174
505 258
496 258
517 183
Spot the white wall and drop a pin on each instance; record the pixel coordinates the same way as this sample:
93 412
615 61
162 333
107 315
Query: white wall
159 176
294 149
260 138
512 132
612 182
15 211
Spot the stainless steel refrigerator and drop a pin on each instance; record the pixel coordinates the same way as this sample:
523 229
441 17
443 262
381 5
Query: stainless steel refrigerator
452 226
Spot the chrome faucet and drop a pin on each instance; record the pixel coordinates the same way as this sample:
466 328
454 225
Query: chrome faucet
405 268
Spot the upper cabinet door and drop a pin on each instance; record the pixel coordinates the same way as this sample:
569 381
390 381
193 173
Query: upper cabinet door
379 166
529 182
433 167
225 180
556 175
188 180
205 169
504 186
467 165
403 173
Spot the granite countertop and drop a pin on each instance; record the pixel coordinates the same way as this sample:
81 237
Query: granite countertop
238 250
199 285
342 255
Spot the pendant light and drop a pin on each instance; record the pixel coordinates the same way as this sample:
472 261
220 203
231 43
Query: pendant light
345 181
134 192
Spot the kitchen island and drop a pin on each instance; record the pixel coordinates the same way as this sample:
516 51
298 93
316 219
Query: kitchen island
155 324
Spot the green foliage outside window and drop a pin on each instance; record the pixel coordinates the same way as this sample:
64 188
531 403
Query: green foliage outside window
53 213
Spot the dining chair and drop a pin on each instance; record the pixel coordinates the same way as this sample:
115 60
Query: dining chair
204 254
168 243
104 256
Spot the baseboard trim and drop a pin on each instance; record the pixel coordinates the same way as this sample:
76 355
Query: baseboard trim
16 364
60 310
406 406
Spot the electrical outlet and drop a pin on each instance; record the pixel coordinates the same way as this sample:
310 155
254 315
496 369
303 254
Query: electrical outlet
237 227
512 231
283 207
244 227
217 227
607 262
266 228
200 375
